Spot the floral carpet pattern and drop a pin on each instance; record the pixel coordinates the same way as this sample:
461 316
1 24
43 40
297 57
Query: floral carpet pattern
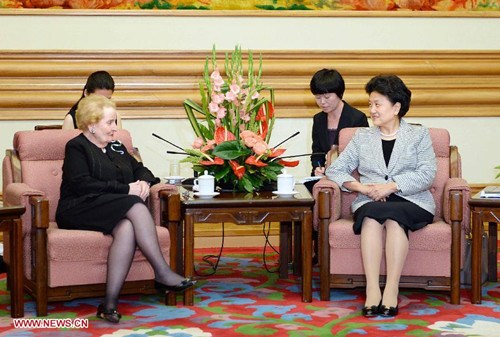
243 299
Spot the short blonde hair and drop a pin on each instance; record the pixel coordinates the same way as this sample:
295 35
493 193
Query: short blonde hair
91 110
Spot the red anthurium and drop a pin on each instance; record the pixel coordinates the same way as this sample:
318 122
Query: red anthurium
270 106
239 171
261 115
217 161
255 162
292 163
223 135
276 153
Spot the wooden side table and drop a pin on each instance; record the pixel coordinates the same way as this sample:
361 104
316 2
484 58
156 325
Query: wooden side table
11 225
483 210
250 209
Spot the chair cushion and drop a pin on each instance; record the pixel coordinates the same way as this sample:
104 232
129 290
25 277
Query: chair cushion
72 251
428 255
433 237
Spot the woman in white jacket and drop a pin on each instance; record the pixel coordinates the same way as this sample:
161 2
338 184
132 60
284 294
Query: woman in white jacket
396 165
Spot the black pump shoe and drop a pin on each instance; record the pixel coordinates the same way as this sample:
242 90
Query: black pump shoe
371 311
388 311
185 284
112 315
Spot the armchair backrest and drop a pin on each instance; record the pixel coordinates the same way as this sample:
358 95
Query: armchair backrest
40 155
441 144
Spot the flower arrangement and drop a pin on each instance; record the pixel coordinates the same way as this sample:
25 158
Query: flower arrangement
232 139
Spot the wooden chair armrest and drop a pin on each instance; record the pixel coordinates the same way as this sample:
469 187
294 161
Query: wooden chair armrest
154 200
40 212
453 211
334 201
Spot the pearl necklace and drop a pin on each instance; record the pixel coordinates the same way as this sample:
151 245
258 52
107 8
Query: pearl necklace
389 135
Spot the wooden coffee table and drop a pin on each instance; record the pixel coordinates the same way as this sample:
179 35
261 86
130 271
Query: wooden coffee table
293 213
483 210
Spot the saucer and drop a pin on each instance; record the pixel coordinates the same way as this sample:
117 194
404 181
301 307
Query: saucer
282 194
206 196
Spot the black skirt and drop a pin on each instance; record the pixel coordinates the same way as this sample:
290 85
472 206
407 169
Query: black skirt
98 213
407 214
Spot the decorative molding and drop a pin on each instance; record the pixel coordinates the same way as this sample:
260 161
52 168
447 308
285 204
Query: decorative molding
45 84
254 13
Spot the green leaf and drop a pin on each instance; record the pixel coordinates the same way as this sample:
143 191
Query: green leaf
230 150
189 105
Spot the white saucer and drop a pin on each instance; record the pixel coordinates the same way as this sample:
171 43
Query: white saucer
206 196
281 194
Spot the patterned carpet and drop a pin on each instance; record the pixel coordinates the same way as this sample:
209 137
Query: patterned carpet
244 299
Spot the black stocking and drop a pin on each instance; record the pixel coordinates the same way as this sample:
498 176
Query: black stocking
137 228
120 256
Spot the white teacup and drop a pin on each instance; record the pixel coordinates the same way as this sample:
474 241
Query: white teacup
286 183
204 184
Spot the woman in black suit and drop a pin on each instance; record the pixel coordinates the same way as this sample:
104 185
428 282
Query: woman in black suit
103 189
99 82
328 87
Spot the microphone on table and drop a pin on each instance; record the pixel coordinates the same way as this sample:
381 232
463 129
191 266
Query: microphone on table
180 148
298 155
176 152
295 134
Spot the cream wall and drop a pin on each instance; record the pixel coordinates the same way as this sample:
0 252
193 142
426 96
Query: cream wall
477 138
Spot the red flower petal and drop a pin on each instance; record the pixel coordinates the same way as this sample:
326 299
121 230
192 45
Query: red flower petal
239 171
223 135
217 161
270 106
276 153
253 161
292 163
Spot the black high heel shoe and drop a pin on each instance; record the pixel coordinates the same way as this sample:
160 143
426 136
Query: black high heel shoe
371 311
388 311
112 315
185 284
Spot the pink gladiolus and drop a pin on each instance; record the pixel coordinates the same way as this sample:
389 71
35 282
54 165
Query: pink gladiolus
198 143
260 148
217 98
221 113
245 117
215 75
213 107
219 81
255 95
235 89
231 97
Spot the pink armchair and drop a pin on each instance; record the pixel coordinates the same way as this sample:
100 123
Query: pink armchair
436 252
60 264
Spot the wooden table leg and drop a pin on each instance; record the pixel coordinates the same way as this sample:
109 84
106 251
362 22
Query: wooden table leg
189 255
492 251
297 248
285 235
307 257
16 268
476 256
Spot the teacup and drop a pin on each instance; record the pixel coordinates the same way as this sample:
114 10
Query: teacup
286 183
204 184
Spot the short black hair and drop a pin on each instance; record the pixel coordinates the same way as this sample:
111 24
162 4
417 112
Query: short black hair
99 80
392 87
327 81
